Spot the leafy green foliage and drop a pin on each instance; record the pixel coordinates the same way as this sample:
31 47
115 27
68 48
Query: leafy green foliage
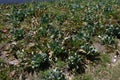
42 32
108 40
3 74
17 33
41 6
20 54
84 35
61 18
2 64
18 15
113 30
58 50
46 18
54 74
91 52
76 63
62 3
40 61
74 6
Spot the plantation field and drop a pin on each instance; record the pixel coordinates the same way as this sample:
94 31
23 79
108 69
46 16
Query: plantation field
60 40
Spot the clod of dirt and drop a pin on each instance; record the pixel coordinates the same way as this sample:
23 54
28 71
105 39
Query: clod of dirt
14 62
99 47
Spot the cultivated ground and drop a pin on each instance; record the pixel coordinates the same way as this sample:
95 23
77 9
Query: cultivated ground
60 40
